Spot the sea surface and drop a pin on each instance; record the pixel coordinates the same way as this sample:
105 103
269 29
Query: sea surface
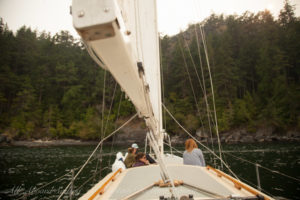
24 171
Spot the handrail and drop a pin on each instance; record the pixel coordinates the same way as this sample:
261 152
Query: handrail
237 184
100 190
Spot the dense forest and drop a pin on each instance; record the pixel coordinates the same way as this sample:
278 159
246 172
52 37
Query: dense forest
51 88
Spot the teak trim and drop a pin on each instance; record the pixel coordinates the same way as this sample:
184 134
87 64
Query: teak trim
236 183
101 189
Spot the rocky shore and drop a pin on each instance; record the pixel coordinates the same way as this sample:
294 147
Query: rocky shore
137 135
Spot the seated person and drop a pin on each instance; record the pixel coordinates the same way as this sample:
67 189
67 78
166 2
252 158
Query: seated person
130 156
118 162
140 160
192 155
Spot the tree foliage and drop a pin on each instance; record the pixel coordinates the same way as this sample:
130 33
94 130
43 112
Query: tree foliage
255 68
50 87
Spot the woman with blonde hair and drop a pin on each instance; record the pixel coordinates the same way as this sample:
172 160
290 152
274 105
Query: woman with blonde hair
192 155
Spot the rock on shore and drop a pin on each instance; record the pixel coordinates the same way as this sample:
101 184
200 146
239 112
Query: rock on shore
137 134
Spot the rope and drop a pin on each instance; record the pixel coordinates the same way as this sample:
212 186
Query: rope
106 123
204 87
212 90
95 151
103 104
273 171
200 142
113 139
102 124
190 80
110 108
162 85
180 152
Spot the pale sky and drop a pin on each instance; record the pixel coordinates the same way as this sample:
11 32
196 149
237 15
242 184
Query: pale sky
173 15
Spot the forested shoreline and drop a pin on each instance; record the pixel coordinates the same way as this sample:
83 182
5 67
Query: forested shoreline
51 88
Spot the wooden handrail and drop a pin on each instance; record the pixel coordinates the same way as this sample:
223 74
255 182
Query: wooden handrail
237 184
100 190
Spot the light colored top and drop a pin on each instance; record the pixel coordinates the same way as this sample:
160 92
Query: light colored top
195 157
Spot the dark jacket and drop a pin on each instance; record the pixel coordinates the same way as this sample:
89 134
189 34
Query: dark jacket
130 160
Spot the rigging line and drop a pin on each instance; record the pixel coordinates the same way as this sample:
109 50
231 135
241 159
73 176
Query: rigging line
180 152
164 171
212 90
162 85
273 171
78 188
254 186
204 86
102 125
34 191
95 151
200 142
110 107
190 80
113 139
103 104
195 99
194 65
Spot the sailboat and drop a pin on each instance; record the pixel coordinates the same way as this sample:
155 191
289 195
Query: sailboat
122 37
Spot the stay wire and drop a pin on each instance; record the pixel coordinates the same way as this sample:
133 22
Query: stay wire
86 162
102 125
117 117
190 80
162 85
200 142
212 90
204 86
273 171
254 186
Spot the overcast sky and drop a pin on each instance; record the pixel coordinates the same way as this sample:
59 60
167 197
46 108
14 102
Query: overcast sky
173 15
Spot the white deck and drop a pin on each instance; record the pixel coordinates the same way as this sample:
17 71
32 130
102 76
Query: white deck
135 179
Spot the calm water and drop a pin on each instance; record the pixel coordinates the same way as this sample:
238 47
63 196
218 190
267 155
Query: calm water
23 169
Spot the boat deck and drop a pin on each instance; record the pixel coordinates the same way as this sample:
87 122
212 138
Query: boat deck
138 183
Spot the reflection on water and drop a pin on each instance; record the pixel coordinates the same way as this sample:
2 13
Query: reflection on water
23 169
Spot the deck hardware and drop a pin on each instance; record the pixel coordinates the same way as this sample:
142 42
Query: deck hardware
161 183
81 13
257 176
127 32
140 68
237 186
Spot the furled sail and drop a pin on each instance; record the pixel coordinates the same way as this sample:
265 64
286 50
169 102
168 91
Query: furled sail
122 37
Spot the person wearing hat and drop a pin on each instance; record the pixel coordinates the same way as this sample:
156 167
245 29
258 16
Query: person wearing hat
130 158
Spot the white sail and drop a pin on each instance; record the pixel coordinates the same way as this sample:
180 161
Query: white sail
126 43
145 41
122 37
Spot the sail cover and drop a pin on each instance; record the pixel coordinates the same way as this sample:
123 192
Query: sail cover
140 18
119 34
